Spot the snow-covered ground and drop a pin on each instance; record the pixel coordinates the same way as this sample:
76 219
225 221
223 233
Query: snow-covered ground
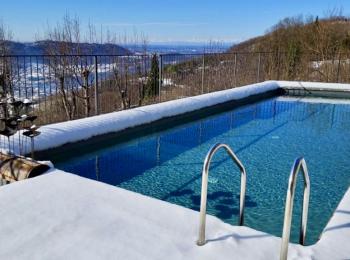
63 216
334 63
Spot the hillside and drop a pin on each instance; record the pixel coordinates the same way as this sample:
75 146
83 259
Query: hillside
39 47
323 37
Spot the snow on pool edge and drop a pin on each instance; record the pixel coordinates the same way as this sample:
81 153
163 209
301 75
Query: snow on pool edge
55 135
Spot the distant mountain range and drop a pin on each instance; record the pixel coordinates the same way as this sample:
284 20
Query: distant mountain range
39 47
181 48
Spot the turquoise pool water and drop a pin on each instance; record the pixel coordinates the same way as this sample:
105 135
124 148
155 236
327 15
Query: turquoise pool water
267 136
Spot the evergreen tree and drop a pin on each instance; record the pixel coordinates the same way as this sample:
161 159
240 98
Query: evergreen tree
152 86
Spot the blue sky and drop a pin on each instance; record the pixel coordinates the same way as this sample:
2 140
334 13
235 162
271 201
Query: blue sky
163 20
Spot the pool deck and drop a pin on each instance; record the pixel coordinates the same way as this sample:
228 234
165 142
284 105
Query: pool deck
63 216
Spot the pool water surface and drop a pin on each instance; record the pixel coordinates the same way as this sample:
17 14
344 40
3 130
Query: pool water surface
267 137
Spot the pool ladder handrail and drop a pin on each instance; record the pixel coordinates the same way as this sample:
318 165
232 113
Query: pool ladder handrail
205 172
299 163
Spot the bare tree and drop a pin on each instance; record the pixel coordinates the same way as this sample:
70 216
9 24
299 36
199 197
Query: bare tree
75 72
130 74
70 68
6 75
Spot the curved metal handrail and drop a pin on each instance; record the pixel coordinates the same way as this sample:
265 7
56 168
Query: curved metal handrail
299 163
201 240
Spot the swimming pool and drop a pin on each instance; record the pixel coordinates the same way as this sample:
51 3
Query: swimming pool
267 136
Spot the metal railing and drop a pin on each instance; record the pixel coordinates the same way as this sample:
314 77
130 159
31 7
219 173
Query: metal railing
298 164
201 238
68 87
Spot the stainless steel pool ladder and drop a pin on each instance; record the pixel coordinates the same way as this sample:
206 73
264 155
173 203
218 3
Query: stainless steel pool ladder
205 172
298 164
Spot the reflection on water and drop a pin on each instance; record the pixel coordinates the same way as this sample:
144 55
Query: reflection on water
267 136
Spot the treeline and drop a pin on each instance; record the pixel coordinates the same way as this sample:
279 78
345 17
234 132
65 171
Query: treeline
310 48
70 72
320 36
297 48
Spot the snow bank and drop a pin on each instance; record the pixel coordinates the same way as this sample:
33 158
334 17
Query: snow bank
49 219
335 238
55 135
